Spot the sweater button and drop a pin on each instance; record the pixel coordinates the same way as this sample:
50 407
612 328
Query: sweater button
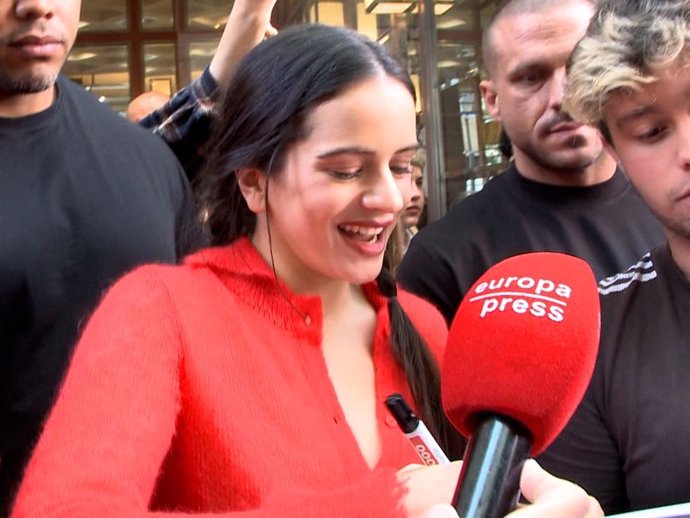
307 320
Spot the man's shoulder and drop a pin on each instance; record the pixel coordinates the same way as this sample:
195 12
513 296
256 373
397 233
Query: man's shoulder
497 187
627 284
75 100
469 219
103 121
628 297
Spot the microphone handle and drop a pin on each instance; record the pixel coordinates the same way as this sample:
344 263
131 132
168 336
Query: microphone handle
489 482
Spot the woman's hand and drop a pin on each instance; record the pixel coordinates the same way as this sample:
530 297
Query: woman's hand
427 486
550 497
441 511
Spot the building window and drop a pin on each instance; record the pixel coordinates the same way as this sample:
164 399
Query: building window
102 70
126 47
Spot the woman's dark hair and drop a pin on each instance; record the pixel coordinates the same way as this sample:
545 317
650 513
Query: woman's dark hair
275 87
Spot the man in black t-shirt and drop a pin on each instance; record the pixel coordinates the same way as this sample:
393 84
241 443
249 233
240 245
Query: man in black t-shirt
563 193
84 196
627 444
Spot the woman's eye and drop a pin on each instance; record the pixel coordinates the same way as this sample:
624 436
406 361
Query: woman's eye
401 169
344 175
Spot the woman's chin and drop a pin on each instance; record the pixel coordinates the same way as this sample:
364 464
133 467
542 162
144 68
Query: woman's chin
366 273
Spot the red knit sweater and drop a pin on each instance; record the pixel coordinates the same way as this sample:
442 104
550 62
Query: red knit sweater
199 389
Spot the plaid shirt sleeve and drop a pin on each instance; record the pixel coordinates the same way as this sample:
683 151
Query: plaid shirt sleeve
185 121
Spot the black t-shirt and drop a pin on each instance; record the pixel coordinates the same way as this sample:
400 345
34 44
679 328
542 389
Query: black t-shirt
627 444
607 225
84 196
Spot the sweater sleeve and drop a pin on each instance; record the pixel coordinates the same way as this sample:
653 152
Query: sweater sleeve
108 434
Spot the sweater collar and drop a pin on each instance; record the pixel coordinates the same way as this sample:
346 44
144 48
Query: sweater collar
241 268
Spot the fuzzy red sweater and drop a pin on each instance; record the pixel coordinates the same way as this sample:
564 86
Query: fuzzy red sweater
198 389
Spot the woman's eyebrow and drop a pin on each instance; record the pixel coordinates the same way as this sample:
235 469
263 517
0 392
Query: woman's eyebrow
411 147
354 150
357 150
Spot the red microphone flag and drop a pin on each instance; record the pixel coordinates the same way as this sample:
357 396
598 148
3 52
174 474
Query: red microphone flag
523 345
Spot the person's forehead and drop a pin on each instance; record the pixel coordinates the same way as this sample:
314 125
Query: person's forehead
551 33
666 93
379 98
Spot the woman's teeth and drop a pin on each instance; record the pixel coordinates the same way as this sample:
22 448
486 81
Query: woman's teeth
366 234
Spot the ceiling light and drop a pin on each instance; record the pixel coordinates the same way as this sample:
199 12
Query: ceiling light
388 6
202 52
450 23
447 63
442 8
80 56
403 6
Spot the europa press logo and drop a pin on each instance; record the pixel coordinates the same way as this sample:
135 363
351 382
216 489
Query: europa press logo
522 295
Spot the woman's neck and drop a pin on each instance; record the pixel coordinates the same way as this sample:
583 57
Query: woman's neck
335 302
335 294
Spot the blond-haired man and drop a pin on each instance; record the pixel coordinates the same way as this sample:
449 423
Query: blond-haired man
627 443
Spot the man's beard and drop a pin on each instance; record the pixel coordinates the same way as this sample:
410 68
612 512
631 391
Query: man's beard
27 84
554 162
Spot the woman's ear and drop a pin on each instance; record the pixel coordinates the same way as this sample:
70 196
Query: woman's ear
252 184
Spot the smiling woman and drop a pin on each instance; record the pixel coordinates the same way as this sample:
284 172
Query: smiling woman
291 320
346 199
252 377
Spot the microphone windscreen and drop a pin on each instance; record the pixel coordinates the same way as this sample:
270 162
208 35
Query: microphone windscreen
523 345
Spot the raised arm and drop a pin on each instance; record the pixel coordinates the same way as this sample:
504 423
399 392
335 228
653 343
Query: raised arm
248 24
185 121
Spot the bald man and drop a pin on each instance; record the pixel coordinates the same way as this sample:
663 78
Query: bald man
144 104
562 193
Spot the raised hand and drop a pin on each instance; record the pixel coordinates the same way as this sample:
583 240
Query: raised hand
248 24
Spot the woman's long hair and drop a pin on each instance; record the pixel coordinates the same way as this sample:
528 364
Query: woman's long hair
275 87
